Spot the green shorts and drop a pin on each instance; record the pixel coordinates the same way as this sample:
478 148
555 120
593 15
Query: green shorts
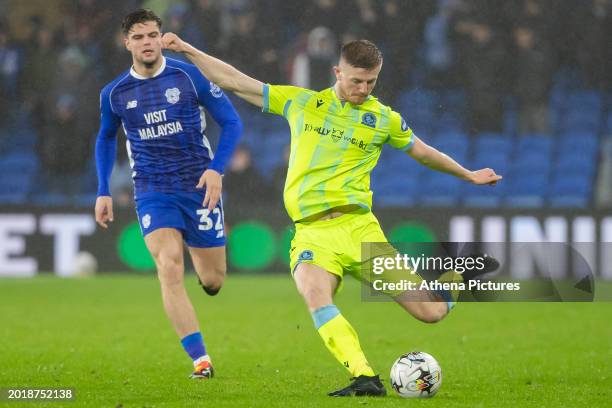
335 244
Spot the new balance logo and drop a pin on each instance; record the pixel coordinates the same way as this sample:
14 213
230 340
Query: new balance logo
131 104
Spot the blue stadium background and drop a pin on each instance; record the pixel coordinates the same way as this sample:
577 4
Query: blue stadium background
564 163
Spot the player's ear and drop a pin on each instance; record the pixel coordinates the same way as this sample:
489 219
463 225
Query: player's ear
337 72
126 42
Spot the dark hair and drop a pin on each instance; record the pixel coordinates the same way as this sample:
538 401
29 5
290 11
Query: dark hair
139 16
361 54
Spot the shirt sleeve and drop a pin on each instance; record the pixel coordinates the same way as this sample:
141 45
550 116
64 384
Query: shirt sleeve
106 143
212 98
277 98
400 135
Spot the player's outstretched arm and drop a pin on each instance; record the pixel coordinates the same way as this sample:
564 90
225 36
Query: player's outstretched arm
436 160
219 72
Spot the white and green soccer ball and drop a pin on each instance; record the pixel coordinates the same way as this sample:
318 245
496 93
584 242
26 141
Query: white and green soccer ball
416 375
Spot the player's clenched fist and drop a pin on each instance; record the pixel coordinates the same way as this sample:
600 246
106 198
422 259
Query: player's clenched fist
173 42
104 210
485 176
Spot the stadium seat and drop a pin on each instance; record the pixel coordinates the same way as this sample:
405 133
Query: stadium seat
394 191
418 107
531 162
483 196
84 200
581 144
48 199
449 122
417 99
493 143
394 162
16 183
487 196
13 198
568 165
588 100
570 191
439 190
455 144
526 190
453 100
19 162
582 115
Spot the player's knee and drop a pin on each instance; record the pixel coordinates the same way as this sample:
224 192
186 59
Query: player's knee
213 279
212 286
170 271
315 297
211 290
432 312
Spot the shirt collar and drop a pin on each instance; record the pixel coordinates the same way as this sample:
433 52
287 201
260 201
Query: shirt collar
159 71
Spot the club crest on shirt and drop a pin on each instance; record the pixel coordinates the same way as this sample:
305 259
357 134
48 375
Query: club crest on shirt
215 90
306 255
146 221
173 95
369 119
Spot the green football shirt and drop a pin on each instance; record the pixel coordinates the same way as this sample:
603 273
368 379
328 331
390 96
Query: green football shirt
334 146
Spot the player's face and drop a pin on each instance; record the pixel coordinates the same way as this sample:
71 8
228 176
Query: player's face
355 84
144 42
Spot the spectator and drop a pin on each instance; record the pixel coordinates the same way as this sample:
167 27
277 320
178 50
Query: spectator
251 49
312 68
399 36
242 184
63 151
533 81
37 78
481 51
333 14
439 56
10 65
178 21
205 15
593 51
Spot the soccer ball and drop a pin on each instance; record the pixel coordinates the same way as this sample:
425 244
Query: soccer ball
416 375
85 264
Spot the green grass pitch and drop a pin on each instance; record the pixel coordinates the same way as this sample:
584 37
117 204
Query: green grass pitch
108 338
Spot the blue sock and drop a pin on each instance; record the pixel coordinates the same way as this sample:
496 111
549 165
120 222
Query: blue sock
324 314
194 345
448 298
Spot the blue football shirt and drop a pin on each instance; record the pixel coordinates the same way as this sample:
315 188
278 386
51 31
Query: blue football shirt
164 120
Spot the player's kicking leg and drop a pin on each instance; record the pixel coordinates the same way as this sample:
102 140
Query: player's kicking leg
433 306
317 287
210 266
166 247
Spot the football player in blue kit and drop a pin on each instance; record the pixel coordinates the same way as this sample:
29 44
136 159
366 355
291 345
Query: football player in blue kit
160 103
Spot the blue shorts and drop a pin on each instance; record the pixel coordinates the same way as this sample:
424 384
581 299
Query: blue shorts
200 227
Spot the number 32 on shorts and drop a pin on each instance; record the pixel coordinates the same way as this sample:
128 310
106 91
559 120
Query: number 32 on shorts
207 223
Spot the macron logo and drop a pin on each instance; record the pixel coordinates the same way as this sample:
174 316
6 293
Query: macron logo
131 104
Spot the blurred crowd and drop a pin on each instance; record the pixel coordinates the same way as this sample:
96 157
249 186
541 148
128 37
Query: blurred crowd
55 55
